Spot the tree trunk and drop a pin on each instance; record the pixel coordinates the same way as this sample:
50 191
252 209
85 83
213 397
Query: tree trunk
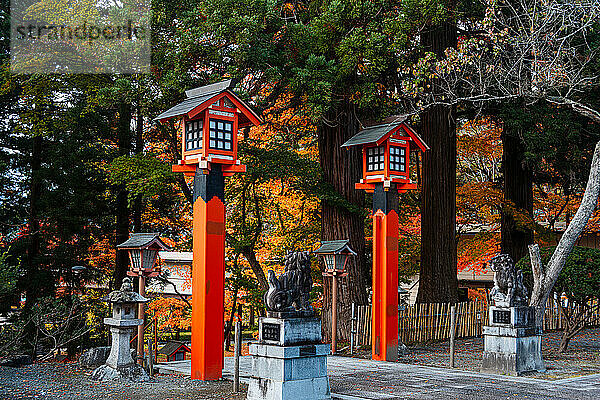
121 207
230 322
342 218
564 342
544 278
518 189
139 149
437 279
33 279
250 255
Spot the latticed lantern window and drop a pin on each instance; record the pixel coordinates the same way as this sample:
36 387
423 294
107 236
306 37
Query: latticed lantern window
335 261
149 258
340 261
329 262
135 256
397 158
221 135
143 258
376 158
193 135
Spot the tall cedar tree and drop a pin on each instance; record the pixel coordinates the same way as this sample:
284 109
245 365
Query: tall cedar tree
516 233
437 279
518 189
542 145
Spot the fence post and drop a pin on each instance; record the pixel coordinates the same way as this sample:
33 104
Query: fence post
155 335
452 330
352 328
237 351
150 358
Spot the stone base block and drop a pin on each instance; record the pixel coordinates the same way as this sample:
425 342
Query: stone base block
94 357
305 389
288 373
289 363
130 373
511 355
289 331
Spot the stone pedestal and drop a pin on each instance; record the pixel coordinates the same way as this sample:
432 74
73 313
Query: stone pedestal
120 364
512 343
289 361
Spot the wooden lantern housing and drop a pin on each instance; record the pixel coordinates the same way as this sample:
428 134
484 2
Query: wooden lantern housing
211 118
335 255
143 251
386 154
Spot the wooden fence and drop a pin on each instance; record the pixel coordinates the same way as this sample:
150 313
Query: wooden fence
554 320
431 321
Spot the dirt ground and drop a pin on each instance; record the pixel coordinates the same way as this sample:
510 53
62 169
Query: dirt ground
582 356
66 381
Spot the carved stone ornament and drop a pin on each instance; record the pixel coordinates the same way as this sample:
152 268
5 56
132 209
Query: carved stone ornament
509 289
290 292
126 294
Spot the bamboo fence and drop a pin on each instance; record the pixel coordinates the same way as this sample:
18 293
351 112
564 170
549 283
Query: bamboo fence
431 321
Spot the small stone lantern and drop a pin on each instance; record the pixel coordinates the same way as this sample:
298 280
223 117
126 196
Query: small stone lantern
120 364
143 251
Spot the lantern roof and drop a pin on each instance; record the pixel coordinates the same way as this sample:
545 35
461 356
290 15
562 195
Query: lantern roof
202 97
143 241
379 133
334 247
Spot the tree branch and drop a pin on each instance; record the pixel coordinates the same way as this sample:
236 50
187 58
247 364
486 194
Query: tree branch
571 234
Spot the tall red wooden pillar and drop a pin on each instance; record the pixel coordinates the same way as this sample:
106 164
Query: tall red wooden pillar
208 274
384 339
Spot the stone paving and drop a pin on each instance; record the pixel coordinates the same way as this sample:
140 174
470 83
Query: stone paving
358 379
354 379
581 358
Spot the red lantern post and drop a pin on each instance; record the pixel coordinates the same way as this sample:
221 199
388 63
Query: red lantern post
386 172
209 121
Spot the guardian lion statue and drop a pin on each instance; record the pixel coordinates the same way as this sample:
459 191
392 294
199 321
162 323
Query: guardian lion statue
508 282
290 292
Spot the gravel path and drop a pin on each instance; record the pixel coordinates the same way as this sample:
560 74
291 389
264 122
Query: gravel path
65 381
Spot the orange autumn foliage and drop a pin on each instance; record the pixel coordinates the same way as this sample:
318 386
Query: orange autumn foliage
172 314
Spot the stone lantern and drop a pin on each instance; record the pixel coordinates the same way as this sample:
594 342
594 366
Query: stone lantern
120 364
143 251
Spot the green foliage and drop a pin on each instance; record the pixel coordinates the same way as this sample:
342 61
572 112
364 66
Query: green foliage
142 174
579 279
557 142
96 309
9 274
323 51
